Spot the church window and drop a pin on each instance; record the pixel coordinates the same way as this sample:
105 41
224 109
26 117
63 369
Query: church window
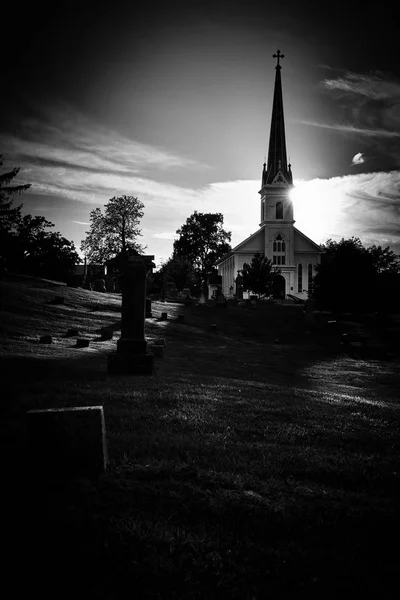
279 210
279 251
299 278
309 275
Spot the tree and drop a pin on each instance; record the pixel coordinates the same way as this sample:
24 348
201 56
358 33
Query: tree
346 279
384 259
179 270
114 232
259 276
9 215
52 255
202 241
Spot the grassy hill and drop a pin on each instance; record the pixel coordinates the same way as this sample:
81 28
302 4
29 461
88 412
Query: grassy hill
257 462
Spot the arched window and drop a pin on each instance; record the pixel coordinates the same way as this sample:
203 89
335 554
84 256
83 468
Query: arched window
310 269
279 251
300 278
279 210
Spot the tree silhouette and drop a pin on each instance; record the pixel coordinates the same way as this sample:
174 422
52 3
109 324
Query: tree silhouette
115 231
202 241
259 276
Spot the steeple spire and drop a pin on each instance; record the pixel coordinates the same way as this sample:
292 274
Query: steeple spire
277 160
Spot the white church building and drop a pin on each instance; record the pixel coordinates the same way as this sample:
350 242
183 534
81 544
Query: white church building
277 238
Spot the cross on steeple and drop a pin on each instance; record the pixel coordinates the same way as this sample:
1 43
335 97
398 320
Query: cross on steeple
278 55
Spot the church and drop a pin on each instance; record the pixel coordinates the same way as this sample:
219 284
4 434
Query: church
277 238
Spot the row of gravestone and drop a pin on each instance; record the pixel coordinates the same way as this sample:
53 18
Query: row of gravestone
106 334
68 443
71 442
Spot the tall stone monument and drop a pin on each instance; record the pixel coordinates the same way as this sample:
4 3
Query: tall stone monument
131 357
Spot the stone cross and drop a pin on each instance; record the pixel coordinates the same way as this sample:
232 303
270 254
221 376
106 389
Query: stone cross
131 357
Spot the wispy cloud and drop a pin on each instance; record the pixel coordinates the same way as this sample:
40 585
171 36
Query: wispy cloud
355 130
376 86
63 152
80 223
366 107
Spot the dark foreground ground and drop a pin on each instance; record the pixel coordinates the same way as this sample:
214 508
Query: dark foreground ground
257 462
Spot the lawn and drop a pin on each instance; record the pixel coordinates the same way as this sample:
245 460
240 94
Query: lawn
259 461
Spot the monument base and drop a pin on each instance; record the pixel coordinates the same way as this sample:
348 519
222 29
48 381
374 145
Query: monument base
120 363
131 346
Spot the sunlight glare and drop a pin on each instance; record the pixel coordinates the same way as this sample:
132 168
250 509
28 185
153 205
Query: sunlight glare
317 207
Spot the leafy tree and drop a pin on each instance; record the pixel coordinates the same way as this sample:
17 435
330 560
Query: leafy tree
202 241
384 259
23 244
179 270
52 255
36 251
259 276
346 278
115 231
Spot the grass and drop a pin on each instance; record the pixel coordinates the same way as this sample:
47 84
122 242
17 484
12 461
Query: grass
257 462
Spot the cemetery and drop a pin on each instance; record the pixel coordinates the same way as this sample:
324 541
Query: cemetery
239 452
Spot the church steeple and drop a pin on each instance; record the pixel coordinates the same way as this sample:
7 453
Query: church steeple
277 159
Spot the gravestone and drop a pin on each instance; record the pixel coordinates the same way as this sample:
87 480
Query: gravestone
67 442
106 334
239 286
131 357
164 316
99 285
158 351
221 300
202 301
110 283
72 332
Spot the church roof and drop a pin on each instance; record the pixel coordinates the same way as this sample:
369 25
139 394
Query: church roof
310 246
277 158
250 245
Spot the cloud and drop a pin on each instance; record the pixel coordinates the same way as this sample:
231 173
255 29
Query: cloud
80 223
62 144
375 86
366 205
356 130
165 235
366 107
357 159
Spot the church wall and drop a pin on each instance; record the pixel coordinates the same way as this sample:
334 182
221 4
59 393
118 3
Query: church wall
286 231
270 200
228 270
305 259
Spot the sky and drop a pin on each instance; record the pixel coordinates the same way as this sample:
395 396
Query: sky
171 102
